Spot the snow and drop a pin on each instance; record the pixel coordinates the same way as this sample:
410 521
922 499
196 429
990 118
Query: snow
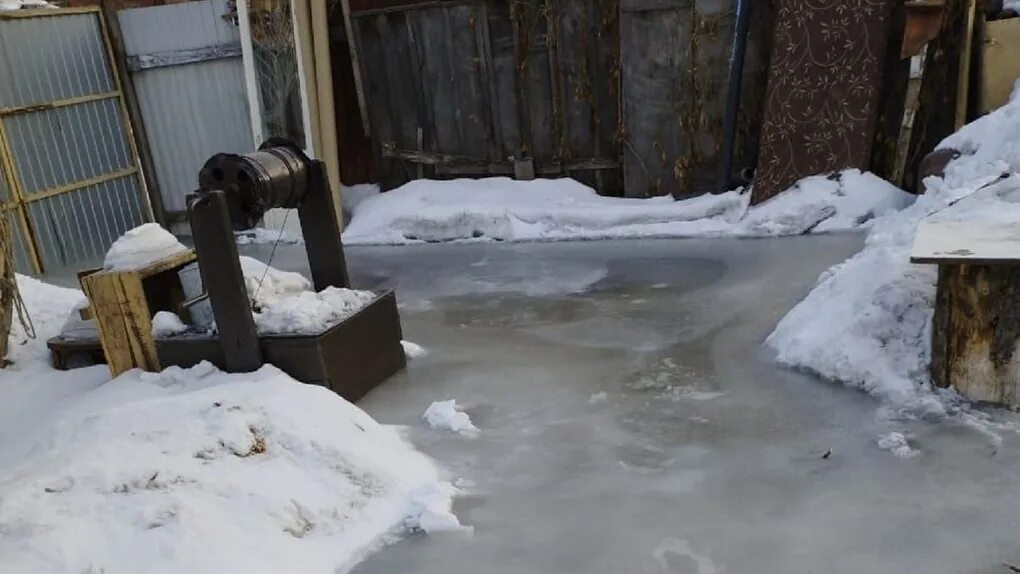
413 350
267 285
167 324
194 470
897 444
444 415
501 209
308 312
49 307
262 235
867 322
24 4
141 246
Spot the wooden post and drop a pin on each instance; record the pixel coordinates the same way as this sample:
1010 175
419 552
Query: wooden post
223 280
8 286
321 228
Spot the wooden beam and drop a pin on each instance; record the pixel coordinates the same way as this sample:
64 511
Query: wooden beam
223 280
181 57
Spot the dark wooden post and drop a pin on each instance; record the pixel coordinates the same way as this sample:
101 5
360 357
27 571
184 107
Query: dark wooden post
321 228
221 273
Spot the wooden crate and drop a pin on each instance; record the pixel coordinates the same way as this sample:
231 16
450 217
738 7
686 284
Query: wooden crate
123 303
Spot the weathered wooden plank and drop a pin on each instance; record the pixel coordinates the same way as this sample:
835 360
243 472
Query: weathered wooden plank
223 280
976 332
951 242
502 48
438 78
463 50
658 101
122 316
180 57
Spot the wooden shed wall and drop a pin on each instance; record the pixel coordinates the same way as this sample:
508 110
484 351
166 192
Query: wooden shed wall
461 87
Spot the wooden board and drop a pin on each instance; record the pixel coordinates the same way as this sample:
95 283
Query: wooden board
122 317
962 243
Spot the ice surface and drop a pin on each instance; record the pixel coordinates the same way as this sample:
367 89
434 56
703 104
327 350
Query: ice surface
141 246
444 415
502 209
654 480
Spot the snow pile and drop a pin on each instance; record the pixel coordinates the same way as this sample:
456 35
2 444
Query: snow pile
413 350
443 415
307 313
262 235
897 444
204 472
49 307
194 470
24 4
502 209
141 246
167 324
266 285
867 322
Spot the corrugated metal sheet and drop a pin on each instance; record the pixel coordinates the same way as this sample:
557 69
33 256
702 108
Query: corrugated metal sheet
81 225
72 159
52 58
190 111
21 259
59 146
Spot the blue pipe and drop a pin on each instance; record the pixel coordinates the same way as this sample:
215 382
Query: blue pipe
743 24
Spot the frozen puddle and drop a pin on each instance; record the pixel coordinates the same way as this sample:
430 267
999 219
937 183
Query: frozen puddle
657 436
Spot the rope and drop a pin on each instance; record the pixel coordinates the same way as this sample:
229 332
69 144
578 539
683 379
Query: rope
9 283
272 253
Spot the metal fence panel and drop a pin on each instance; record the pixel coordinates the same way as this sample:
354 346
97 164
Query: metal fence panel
80 226
53 58
60 146
73 184
189 80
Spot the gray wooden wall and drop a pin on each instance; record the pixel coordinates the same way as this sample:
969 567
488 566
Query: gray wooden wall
459 88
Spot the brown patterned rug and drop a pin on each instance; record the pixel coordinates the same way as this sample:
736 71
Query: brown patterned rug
823 90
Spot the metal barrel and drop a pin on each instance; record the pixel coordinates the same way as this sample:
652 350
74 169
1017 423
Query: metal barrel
258 181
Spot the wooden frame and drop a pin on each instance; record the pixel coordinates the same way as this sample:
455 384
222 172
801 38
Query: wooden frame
21 199
120 305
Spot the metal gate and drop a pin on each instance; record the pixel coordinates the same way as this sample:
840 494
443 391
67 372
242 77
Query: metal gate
185 63
71 183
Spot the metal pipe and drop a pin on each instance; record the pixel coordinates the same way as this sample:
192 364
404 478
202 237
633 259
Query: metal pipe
743 24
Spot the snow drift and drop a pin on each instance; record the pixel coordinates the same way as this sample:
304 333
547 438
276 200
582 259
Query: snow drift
194 470
501 209
867 322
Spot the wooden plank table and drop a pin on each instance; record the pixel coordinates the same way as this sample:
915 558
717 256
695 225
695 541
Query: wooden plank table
976 326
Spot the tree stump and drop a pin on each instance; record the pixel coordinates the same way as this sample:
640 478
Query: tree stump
976 331
8 287
976 326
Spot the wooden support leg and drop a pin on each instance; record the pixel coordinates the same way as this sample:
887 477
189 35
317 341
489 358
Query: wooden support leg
221 273
321 230
976 331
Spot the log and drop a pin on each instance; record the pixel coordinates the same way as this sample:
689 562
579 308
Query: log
976 331
8 286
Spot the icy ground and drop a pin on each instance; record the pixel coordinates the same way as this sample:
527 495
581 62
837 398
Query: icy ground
630 420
